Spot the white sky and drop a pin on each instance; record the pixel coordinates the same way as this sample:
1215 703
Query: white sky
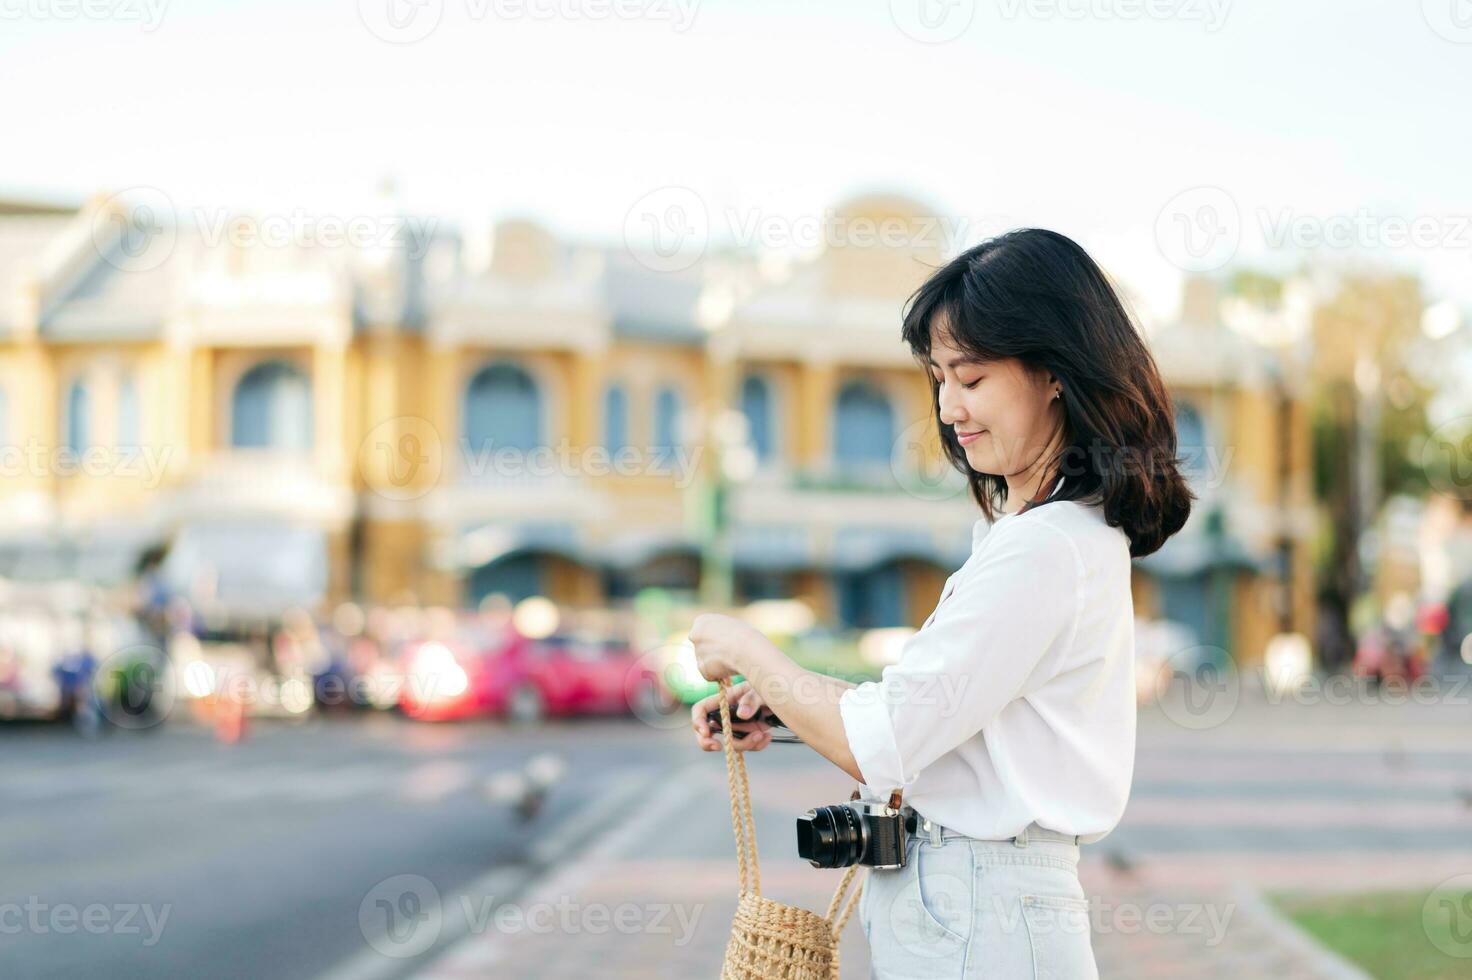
1089 125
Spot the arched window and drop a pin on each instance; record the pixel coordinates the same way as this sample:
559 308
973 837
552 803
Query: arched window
127 437
78 422
503 410
756 405
516 576
863 430
271 408
615 418
666 418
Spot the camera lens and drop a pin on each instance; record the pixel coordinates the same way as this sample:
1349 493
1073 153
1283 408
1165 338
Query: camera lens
831 836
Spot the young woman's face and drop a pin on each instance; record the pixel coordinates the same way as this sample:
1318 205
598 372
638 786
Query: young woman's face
1003 414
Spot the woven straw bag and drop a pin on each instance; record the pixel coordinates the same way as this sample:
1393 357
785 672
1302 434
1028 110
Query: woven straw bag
769 940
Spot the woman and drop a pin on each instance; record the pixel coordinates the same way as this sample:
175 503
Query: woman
1009 720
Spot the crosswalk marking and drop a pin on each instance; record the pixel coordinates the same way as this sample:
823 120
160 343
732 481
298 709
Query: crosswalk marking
434 781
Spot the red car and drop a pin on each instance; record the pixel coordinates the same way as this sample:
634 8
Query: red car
524 679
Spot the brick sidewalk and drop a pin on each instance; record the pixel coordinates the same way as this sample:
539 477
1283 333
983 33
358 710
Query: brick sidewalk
674 874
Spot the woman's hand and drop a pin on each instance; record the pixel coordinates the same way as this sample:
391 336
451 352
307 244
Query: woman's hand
745 703
719 643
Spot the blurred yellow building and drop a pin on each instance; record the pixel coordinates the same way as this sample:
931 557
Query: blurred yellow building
1241 571
433 417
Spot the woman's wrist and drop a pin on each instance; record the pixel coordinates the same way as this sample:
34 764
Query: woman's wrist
757 657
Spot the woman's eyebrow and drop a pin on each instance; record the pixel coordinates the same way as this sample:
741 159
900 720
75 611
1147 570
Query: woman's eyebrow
955 361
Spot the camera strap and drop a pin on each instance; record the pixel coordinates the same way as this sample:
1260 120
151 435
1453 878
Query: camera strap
744 830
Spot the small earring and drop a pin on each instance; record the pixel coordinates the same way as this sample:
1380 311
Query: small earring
1057 394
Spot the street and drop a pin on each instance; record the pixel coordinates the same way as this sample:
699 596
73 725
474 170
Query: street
368 847
252 860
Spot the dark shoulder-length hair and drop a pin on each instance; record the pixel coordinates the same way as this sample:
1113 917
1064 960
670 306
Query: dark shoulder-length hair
1036 296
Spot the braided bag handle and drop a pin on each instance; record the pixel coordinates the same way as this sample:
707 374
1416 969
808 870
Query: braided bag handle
745 830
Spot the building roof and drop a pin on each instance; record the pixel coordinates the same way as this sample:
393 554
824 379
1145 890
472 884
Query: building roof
24 238
120 294
650 305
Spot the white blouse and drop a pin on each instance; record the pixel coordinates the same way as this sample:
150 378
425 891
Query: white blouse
1015 702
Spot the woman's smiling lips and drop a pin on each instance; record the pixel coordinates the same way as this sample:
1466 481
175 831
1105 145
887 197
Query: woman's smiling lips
967 438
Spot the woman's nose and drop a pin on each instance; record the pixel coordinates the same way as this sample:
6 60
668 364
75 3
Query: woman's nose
951 411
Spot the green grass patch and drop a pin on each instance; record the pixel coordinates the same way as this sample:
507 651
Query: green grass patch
1391 935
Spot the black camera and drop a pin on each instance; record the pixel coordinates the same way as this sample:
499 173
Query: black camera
772 721
856 832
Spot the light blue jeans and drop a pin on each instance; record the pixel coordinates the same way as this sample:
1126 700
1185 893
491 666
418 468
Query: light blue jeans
962 907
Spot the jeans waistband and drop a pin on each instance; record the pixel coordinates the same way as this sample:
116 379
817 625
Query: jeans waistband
920 826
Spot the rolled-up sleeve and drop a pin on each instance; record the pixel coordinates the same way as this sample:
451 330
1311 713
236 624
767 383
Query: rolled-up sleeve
1016 602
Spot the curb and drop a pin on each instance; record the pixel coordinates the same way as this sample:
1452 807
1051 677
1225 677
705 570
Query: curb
1327 964
508 884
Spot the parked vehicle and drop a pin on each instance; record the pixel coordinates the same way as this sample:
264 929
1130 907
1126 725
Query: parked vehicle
503 673
1384 652
443 679
569 675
